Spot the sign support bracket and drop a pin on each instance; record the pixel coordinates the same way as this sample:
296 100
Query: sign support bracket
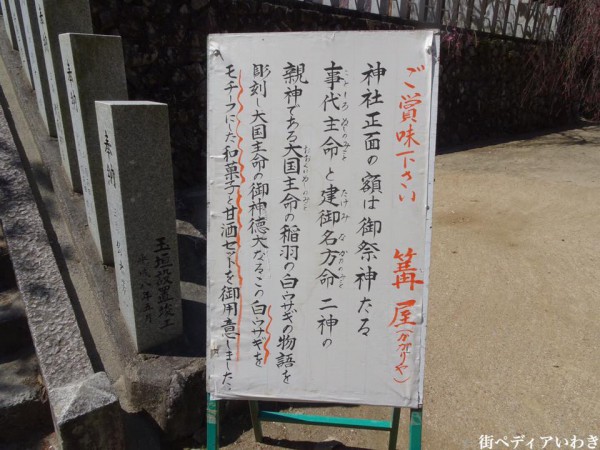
258 416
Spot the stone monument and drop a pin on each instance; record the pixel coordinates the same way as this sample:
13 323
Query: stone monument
8 23
94 68
56 17
17 19
136 156
38 65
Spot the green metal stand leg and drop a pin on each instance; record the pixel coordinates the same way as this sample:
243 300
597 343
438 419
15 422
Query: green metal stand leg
416 419
212 423
394 429
256 425
259 416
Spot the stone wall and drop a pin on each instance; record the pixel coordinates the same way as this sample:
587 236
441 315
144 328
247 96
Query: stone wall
482 83
488 90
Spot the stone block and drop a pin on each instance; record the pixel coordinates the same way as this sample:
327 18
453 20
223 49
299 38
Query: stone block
8 24
136 155
162 387
56 17
87 414
17 19
37 64
94 68
85 411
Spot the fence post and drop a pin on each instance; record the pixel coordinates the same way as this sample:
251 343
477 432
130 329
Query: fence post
495 16
469 16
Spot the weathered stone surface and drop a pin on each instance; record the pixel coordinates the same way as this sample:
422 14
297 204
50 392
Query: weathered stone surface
38 65
61 352
88 414
95 70
51 318
17 19
56 17
162 387
23 406
8 24
96 284
136 155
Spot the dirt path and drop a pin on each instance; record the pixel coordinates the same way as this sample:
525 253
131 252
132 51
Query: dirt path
514 337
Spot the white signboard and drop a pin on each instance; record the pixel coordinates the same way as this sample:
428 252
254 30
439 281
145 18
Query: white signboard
320 173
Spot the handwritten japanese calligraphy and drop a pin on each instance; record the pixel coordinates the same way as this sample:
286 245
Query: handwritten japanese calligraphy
320 165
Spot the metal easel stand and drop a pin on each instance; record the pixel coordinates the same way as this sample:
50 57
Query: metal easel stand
258 416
